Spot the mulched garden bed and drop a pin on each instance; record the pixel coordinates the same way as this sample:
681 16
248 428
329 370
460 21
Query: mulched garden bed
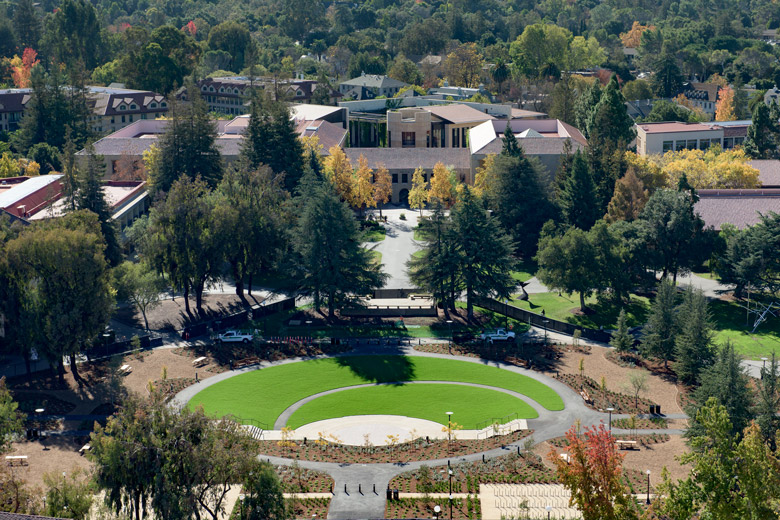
423 508
641 423
174 385
543 357
601 400
306 508
644 440
527 468
420 449
296 479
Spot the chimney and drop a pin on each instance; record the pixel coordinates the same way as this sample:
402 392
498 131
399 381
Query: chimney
21 210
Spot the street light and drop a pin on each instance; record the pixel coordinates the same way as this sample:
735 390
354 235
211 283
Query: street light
449 431
450 475
436 511
610 410
648 487
548 508
449 346
764 359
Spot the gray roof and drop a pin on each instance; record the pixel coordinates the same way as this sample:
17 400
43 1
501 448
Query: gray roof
741 208
114 146
412 158
374 81
768 172
535 146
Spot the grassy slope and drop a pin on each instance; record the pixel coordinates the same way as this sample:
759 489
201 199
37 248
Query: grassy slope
603 315
264 394
422 401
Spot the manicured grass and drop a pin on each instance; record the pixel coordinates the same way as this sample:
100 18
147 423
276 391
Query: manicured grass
375 235
525 270
417 234
733 324
600 315
264 394
422 401
376 257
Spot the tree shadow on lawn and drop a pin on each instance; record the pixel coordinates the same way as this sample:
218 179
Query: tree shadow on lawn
604 313
392 368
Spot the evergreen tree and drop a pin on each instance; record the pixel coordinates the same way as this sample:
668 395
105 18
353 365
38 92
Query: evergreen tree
658 334
768 401
485 251
322 92
727 382
610 117
667 79
577 195
73 34
519 194
271 139
692 347
329 262
569 263
621 340
92 198
188 146
70 174
584 107
510 146
436 270
27 24
763 134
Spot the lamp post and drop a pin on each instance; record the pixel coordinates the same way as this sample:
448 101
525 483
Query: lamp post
436 511
506 314
449 346
449 431
763 367
648 487
610 410
450 475
548 508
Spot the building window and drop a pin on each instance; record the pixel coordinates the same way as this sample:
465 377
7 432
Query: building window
425 177
680 145
691 144
131 118
123 119
455 138
728 143
395 178
153 105
404 178
463 140
738 141
407 139
164 104
122 107
704 144
133 107
667 146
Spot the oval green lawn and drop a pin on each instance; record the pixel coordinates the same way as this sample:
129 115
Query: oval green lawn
262 395
469 405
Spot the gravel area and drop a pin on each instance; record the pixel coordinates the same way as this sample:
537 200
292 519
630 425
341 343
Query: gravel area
61 455
148 366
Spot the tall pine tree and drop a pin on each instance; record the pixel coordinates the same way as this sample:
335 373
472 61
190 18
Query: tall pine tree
692 347
659 332
763 134
768 400
584 106
578 195
91 197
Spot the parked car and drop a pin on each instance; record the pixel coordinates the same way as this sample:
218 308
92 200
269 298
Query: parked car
234 336
498 335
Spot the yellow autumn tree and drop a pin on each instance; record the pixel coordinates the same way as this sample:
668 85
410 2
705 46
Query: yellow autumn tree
714 168
482 179
724 108
629 198
311 146
29 167
633 37
383 187
338 170
418 196
8 166
648 171
362 192
442 187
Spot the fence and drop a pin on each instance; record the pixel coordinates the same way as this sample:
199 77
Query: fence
101 351
389 310
238 318
498 420
543 322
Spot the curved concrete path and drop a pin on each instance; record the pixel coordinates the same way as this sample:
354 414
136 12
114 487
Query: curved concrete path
352 504
281 421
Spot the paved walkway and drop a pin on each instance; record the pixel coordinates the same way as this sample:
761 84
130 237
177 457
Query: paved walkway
398 246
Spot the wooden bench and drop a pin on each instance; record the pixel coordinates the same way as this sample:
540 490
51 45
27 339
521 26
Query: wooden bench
200 361
84 449
627 445
16 460
246 362
586 396
420 296
124 370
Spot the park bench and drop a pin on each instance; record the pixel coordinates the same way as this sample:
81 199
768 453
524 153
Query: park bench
627 445
16 460
124 370
200 361
586 396
241 363
84 449
420 296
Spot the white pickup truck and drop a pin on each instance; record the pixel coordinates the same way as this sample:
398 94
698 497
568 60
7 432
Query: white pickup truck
233 336
498 335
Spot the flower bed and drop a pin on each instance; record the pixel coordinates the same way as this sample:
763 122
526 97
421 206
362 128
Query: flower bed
419 449
462 508
296 479
640 423
527 468
601 400
643 440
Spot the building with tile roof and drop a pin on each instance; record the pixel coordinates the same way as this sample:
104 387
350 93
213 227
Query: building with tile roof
768 172
662 137
433 126
740 208
379 85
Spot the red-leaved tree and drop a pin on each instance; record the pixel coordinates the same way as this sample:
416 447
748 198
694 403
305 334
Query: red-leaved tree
21 68
593 474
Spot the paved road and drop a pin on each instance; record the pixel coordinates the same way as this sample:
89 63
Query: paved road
398 246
